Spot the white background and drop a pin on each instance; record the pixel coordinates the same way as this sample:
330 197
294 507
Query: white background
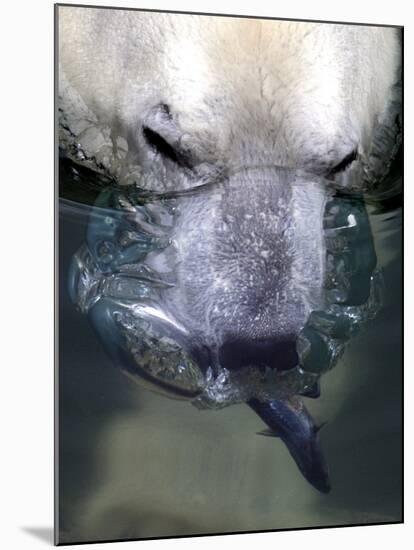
26 273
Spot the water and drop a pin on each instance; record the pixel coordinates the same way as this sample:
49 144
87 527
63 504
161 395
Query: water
135 464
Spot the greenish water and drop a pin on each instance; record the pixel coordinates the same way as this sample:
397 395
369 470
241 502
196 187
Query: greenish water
134 464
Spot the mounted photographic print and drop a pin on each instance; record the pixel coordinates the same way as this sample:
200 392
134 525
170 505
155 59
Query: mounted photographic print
229 354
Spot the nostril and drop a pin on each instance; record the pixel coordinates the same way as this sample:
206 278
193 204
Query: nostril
270 352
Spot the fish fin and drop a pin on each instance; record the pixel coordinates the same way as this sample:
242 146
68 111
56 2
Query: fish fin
290 419
268 433
320 426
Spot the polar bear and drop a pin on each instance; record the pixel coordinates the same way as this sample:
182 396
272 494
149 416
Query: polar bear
280 115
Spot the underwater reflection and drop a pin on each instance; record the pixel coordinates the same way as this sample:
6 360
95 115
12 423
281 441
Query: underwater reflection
146 444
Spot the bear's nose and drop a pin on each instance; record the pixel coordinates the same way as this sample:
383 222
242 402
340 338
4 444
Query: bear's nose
270 352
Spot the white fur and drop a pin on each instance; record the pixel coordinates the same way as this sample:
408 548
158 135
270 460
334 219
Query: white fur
292 93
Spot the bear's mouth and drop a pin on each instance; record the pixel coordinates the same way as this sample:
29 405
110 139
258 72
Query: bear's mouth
123 273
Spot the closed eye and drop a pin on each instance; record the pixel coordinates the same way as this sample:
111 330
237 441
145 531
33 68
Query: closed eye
345 163
165 149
